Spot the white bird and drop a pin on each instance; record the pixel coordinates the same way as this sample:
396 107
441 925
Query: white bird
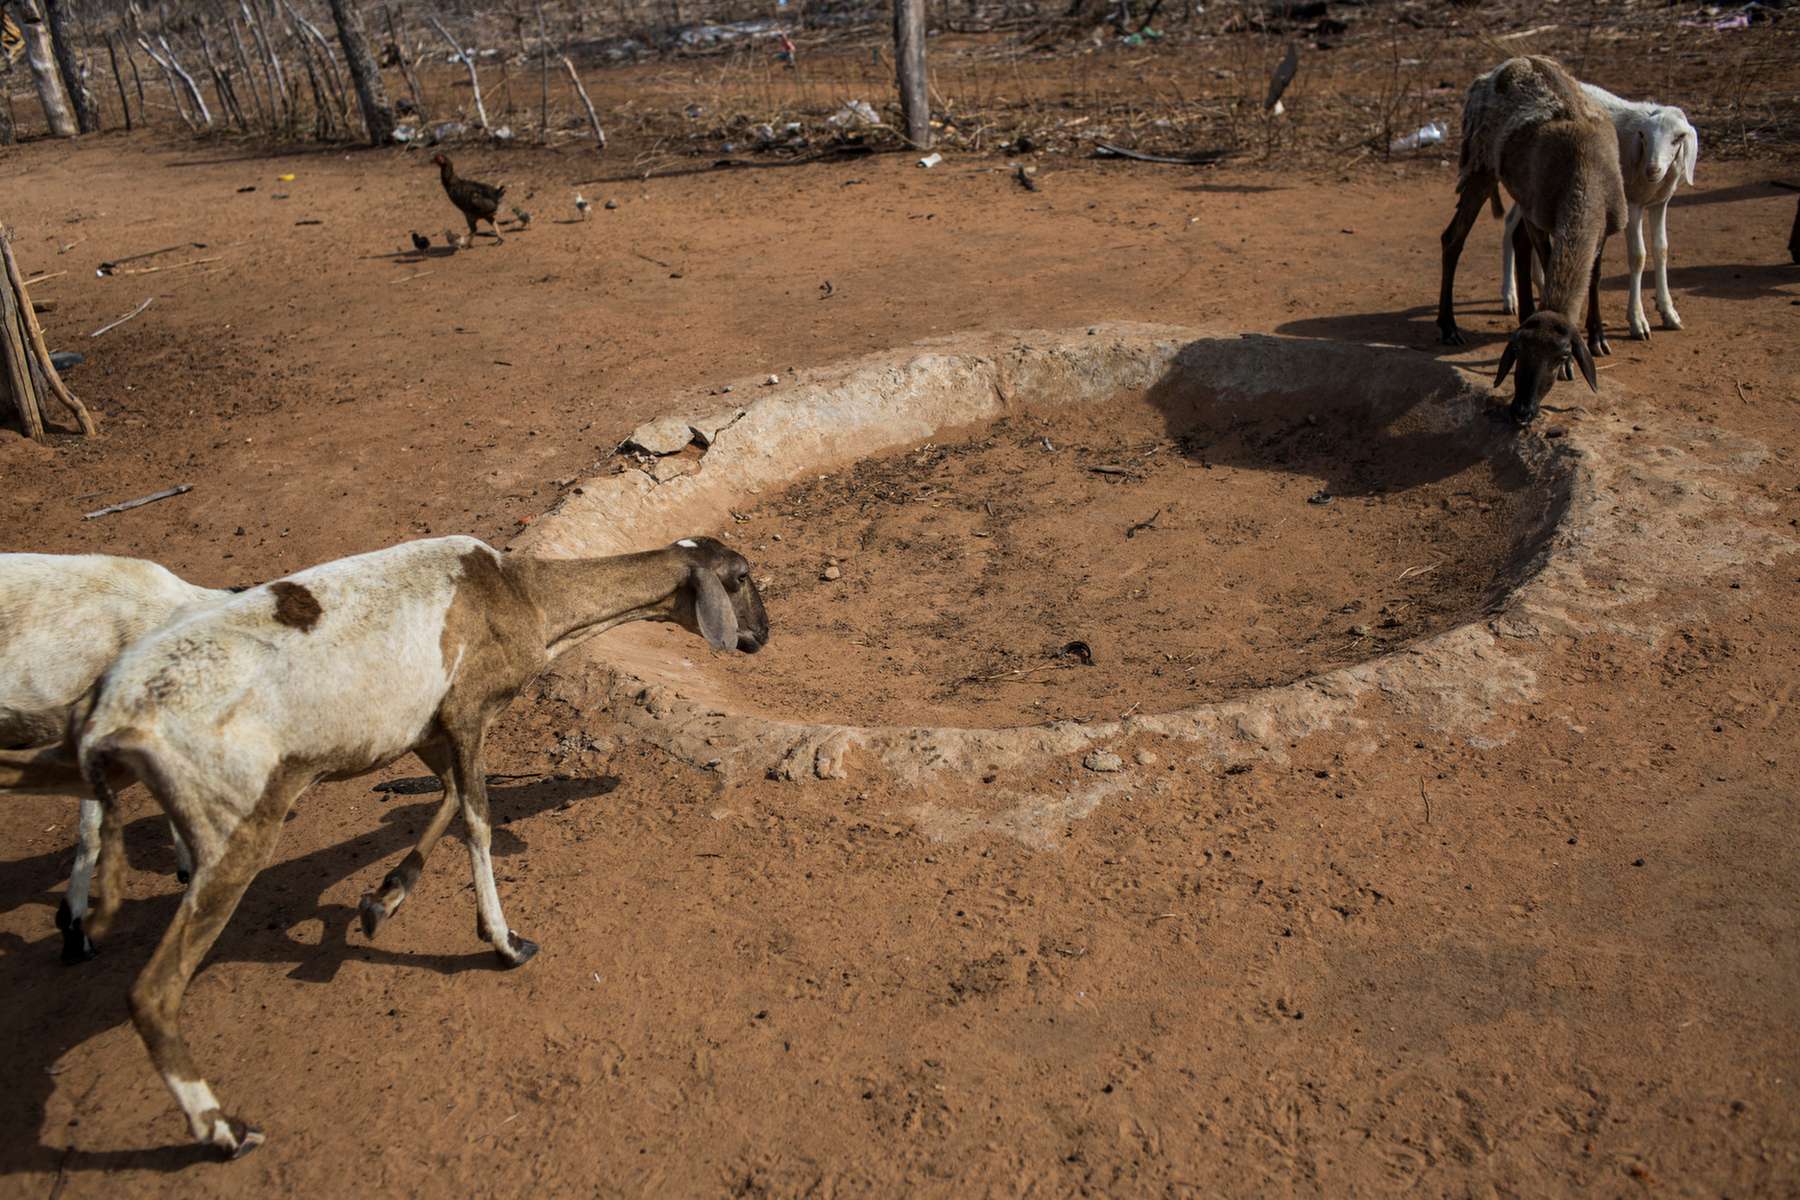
582 204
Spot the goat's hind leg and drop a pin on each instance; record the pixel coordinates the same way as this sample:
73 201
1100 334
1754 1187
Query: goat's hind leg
1634 254
378 905
223 871
490 921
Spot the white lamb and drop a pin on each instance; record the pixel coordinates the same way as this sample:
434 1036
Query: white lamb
1657 151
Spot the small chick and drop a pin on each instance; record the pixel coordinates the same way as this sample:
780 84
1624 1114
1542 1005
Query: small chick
455 240
420 241
582 204
523 216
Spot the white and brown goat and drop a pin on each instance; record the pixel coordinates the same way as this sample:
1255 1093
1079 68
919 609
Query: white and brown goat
63 619
1528 125
228 714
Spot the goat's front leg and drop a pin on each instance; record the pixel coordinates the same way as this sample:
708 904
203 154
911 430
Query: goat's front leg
1596 330
378 905
490 922
1659 245
1468 210
1520 241
1634 253
72 912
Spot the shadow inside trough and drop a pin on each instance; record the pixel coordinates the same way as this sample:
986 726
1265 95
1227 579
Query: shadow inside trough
52 1009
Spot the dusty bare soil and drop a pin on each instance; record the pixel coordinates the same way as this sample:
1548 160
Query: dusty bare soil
1183 560
1560 962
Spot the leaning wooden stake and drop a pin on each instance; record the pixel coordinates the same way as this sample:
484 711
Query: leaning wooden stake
15 369
34 334
406 67
599 134
468 60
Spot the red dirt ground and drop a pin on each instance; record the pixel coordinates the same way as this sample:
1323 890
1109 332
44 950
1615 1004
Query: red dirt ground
1576 972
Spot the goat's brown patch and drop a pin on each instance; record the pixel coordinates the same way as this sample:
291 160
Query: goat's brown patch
295 606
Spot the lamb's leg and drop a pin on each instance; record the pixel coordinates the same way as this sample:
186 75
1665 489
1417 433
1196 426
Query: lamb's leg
1509 299
1596 331
1659 245
1634 252
1520 245
1468 209
490 922
380 904
224 870
184 858
72 912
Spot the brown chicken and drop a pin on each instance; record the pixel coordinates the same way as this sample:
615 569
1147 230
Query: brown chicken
478 201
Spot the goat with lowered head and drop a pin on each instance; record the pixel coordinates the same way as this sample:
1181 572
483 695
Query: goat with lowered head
63 619
230 712
1528 125
1658 150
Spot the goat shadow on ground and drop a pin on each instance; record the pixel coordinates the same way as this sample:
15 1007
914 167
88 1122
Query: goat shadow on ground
1414 328
1726 195
1726 281
1369 438
1237 189
52 1009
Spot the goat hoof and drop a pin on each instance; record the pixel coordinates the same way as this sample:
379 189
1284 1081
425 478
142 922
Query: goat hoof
1670 320
521 950
183 877
1450 335
373 913
1599 347
76 948
1566 372
237 1139
65 917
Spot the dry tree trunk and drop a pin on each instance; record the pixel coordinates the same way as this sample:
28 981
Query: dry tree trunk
468 60
543 77
311 37
909 61
263 115
39 351
62 44
175 91
137 80
124 102
406 68
278 88
187 81
371 96
42 56
221 81
594 121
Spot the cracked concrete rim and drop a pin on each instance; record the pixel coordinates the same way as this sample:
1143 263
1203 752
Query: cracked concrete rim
1623 511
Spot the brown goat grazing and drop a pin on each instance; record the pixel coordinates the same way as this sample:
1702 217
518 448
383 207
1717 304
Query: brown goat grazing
228 713
1528 125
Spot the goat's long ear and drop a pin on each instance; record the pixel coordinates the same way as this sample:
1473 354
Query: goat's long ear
1585 361
1506 358
1640 153
1691 154
712 609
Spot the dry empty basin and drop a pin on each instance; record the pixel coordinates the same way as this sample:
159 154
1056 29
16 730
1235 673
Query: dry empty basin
1007 544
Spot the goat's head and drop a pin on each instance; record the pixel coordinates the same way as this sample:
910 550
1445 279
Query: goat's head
718 599
1663 143
1538 349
